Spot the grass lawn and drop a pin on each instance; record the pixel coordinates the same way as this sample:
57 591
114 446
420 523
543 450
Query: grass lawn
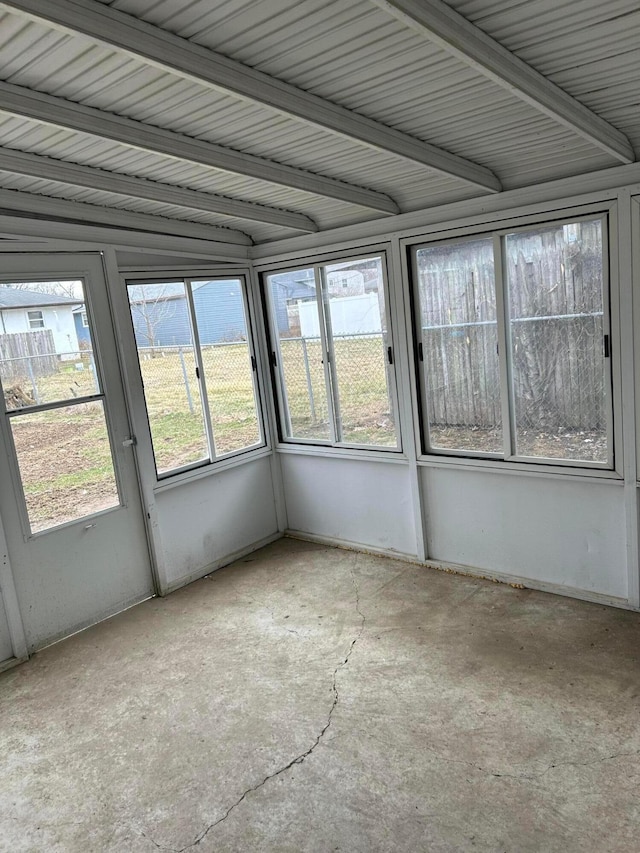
65 457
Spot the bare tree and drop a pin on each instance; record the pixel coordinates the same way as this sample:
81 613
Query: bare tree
71 288
151 305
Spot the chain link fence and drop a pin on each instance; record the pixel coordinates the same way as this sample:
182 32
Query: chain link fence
49 377
361 382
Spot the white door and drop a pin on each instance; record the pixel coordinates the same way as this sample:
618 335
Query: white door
69 494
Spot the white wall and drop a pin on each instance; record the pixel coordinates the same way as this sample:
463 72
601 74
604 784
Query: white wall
358 501
204 523
548 529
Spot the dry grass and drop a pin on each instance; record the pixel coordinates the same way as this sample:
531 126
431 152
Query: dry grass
65 457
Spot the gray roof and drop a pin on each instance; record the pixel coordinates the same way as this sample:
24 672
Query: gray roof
11 297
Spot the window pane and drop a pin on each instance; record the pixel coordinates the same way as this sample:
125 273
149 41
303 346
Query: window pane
300 354
46 354
65 463
555 278
226 360
162 330
354 305
459 336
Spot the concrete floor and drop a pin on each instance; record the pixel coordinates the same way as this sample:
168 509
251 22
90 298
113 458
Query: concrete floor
312 699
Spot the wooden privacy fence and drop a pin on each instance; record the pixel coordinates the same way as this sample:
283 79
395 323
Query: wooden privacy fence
27 354
553 282
558 373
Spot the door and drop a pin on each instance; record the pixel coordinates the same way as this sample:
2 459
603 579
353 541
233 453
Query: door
69 494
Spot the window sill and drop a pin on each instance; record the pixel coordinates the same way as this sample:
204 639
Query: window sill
529 469
376 455
210 469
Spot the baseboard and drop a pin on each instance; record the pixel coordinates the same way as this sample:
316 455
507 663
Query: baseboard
11 662
469 571
221 563
348 545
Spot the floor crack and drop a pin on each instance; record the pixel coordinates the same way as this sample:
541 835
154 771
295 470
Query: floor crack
532 776
299 759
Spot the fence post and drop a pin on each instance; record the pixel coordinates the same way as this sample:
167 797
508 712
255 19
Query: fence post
92 368
186 380
312 403
32 377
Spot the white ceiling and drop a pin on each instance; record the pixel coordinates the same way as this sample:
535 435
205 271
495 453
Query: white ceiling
353 54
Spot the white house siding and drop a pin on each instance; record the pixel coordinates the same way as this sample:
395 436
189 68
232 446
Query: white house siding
58 318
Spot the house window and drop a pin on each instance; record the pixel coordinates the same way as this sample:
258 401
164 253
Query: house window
84 319
332 354
198 370
36 320
513 344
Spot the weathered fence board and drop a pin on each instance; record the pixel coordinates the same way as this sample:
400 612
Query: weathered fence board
25 354
555 317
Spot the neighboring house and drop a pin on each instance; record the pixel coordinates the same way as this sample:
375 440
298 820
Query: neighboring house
353 310
82 326
287 289
29 311
161 316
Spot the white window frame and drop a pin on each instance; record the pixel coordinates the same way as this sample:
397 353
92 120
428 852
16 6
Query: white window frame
84 319
39 321
214 462
286 440
509 456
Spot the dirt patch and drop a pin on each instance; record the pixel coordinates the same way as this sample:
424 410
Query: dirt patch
65 466
576 445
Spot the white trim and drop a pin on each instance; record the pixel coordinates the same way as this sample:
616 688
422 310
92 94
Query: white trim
407 414
9 598
340 452
114 297
191 61
628 247
535 469
547 199
267 400
64 236
452 32
11 244
243 457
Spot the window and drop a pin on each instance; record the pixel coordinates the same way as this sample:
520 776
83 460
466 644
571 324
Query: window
56 416
198 369
36 320
84 319
513 344
333 355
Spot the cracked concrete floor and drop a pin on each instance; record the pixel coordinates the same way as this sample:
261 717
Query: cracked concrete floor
312 699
